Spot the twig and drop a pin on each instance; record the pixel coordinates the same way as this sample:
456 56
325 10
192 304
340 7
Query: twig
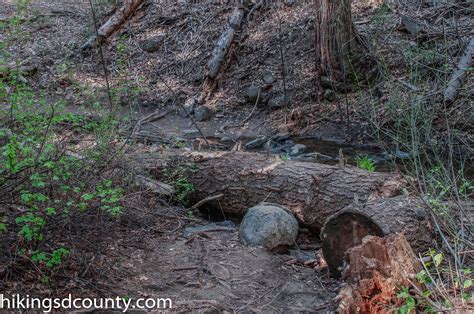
207 199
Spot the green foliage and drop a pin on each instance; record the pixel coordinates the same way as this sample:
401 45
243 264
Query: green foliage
178 178
365 163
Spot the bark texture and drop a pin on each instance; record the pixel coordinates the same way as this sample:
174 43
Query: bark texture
348 227
374 272
112 23
226 39
335 37
312 191
459 74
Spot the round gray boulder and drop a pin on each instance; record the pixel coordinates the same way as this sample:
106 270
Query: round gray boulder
269 225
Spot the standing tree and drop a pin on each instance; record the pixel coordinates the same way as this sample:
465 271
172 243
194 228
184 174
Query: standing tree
337 42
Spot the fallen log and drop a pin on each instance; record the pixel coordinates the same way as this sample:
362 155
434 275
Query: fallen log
382 217
225 41
373 274
459 73
313 192
120 16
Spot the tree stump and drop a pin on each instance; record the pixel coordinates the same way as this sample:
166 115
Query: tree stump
374 272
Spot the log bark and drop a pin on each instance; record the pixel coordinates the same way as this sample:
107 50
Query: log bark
382 217
335 37
112 23
225 41
374 272
312 191
459 74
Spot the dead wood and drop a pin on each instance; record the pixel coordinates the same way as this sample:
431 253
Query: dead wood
113 23
373 273
348 227
312 191
459 73
224 42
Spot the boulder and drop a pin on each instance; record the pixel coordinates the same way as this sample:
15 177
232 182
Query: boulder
269 225
152 44
203 113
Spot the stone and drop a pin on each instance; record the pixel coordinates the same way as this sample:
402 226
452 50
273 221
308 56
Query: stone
188 108
289 2
256 143
278 101
269 80
252 93
203 113
269 225
329 95
153 44
298 149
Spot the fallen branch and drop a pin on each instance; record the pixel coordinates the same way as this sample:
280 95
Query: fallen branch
112 23
207 199
224 42
459 74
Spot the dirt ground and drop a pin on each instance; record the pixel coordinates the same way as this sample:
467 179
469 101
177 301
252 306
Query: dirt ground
151 257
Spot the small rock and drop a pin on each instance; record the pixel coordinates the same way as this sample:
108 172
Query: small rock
269 225
289 2
188 108
330 95
256 143
252 93
269 80
298 149
203 113
152 44
278 101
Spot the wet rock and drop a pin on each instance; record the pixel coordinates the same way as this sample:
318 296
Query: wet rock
298 149
256 143
269 225
330 95
278 101
221 225
252 93
203 113
188 108
153 44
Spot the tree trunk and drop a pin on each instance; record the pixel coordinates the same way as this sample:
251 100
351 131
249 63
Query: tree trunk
312 191
112 23
374 272
348 227
335 38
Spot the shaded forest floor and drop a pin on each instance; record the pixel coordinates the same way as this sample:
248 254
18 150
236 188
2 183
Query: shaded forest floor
146 253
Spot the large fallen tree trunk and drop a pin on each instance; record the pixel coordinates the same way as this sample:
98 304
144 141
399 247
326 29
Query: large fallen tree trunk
349 226
312 191
374 272
459 74
120 16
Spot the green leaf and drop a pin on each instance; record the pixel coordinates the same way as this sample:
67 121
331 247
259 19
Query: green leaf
88 196
438 258
467 283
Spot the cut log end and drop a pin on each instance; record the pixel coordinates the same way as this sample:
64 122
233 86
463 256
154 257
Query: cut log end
382 217
343 232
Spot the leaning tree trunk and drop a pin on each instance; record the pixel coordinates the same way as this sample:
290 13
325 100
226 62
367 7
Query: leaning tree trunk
335 38
313 192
